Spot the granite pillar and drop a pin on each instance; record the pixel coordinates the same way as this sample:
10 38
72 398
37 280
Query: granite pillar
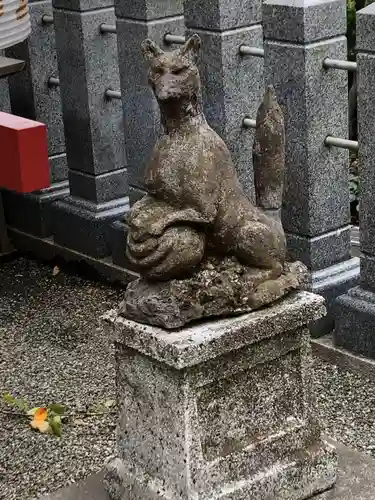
4 93
316 216
137 20
232 83
88 66
355 310
220 410
31 98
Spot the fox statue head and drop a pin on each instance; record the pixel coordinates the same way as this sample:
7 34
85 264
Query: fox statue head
174 76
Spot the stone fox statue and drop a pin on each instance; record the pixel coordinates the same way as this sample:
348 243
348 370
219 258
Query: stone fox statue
195 203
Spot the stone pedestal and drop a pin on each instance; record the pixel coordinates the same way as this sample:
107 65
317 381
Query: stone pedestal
355 310
223 409
316 217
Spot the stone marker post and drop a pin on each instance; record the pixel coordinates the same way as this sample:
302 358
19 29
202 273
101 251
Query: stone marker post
88 66
4 93
32 98
298 36
232 83
355 310
137 20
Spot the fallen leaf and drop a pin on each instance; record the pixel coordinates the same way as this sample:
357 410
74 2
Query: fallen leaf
55 271
55 423
56 408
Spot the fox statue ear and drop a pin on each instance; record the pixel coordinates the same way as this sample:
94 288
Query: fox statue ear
150 50
191 47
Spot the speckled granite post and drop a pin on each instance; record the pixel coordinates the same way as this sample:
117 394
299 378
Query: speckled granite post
298 36
30 97
223 409
4 93
137 20
88 66
232 84
355 310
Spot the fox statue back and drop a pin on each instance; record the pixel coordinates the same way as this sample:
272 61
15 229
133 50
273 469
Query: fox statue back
195 203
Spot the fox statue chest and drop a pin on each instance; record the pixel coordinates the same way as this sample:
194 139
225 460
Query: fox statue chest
182 170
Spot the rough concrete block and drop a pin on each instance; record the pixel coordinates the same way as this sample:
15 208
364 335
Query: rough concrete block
29 93
93 124
99 188
141 112
304 21
222 409
147 10
232 89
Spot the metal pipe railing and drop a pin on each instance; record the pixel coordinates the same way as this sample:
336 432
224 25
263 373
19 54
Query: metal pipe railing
329 63
169 38
249 122
338 142
107 28
47 19
246 50
112 94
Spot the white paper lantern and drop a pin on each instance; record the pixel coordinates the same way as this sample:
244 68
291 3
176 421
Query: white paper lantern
14 22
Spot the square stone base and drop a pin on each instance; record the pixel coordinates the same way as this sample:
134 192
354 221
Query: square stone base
308 473
355 482
33 212
331 282
222 409
355 322
84 226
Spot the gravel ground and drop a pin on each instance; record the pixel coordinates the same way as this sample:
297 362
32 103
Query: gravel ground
346 406
52 351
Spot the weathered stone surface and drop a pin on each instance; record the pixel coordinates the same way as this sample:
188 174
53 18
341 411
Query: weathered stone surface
224 409
221 287
196 207
356 481
269 153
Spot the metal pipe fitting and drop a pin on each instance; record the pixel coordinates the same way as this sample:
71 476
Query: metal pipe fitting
246 50
339 64
249 122
169 38
338 142
108 28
